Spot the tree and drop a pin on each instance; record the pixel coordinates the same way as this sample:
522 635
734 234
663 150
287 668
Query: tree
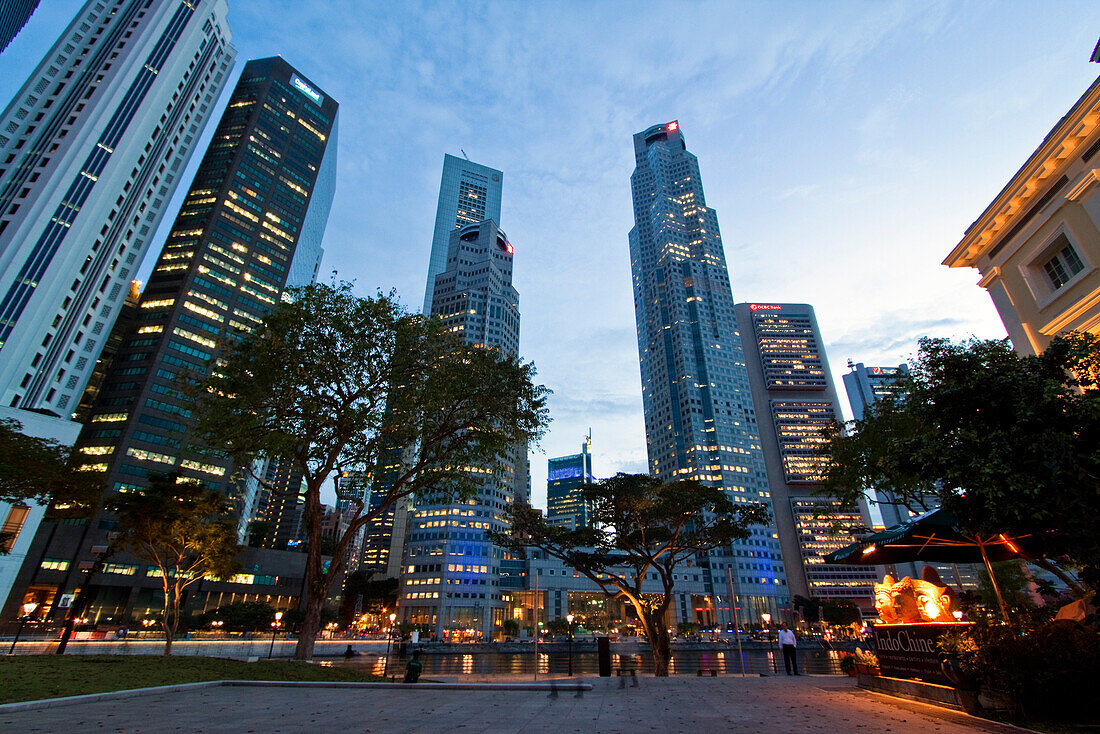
639 526
182 528
42 470
336 383
1009 444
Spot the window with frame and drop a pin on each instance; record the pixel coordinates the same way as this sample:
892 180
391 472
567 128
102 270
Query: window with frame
1064 264
13 523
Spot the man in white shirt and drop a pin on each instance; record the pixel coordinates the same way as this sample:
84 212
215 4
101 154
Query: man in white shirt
788 642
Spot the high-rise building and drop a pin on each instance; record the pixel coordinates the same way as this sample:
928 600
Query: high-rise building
14 14
452 569
566 478
91 151
249 228
699 415
468 194
790 379
867 385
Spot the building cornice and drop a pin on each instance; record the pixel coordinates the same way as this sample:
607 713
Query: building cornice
1051 159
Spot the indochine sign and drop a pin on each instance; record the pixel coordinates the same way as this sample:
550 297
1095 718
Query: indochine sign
910 650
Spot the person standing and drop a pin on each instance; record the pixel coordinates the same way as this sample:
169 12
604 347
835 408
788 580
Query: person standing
789 644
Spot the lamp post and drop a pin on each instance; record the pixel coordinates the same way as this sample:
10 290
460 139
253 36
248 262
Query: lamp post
28 610
274 631
771 646
217 625
569 619
389 641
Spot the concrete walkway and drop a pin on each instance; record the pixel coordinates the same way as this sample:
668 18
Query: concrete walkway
699 705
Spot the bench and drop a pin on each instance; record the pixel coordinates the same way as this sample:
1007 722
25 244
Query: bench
713 672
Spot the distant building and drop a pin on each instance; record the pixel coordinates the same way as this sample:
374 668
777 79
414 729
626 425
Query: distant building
14 14
1037 244
867 385
91 150
468 194
788 370
566 478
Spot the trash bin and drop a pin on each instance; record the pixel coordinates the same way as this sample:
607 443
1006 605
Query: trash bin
603 650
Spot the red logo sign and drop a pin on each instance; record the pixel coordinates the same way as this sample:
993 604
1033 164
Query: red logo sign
764 307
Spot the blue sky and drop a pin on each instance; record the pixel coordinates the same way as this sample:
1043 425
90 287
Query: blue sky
846 147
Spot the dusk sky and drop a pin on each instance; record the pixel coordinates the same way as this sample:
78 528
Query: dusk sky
845 146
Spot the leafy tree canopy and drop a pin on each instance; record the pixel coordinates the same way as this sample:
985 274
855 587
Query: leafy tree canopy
182 528
336 383
40 470
1008 443
639 526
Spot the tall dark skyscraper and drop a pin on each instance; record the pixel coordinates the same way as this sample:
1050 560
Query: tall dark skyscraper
790 378
699 415
566 478
250 227
452 569
91 151
14 14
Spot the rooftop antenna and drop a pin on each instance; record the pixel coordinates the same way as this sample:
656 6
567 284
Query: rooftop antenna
464 154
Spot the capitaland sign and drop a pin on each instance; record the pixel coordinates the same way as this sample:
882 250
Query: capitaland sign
911 650
297 82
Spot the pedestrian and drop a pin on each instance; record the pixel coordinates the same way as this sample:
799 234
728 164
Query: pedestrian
412 670
350 652
788 642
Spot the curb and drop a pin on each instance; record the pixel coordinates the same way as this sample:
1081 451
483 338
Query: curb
153 690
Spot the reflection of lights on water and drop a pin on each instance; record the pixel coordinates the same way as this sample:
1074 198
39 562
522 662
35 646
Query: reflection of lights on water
467 664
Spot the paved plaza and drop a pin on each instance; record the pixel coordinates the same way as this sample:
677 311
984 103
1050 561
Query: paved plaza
686 704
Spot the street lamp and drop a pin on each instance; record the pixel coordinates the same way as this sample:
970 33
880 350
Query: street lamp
28 610
217 625
569 619
274 630
389 641
771 645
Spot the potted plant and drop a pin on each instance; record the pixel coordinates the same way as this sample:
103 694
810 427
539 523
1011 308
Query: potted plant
848 664
867 662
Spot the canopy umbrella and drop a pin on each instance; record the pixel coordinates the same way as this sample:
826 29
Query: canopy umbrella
934 537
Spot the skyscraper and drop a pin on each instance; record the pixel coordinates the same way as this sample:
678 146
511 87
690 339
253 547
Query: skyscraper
249 228
790 379
699 416
452 569
14 14
91 150
867 385
468 194
566 478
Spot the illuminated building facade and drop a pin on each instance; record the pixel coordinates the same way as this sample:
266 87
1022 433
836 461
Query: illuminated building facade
788 371
249 228
699 415
452 575
1037 244
566 478
468 194
91 150
867 385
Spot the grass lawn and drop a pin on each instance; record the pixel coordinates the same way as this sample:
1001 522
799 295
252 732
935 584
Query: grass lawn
33 677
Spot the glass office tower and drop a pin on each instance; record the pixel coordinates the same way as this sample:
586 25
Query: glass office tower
566 478
452 569
249 228
699 416
91 151
14 14
468 193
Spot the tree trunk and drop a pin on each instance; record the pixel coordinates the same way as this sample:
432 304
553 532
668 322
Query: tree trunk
311 625
1068 580
659 643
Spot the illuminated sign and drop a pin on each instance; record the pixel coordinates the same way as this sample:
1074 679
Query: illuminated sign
508 247
301 86
764 307
570 472
673 126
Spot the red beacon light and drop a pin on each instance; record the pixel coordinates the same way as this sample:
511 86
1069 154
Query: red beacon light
673 126
508 247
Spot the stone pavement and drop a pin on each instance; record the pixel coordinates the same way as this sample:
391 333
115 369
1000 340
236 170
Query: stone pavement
684 704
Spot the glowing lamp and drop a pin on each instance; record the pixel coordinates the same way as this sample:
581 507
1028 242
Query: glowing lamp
869 549
958 615
766 617
673 126
508 247
392 618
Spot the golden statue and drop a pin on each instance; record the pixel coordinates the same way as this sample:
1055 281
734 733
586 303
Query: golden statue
909 600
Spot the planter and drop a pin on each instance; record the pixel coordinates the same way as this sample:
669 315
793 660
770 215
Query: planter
868 669
853 673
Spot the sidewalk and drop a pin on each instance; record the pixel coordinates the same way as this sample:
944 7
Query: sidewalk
774 704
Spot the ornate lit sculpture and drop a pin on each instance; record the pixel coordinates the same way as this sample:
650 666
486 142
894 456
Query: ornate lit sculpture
910 600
